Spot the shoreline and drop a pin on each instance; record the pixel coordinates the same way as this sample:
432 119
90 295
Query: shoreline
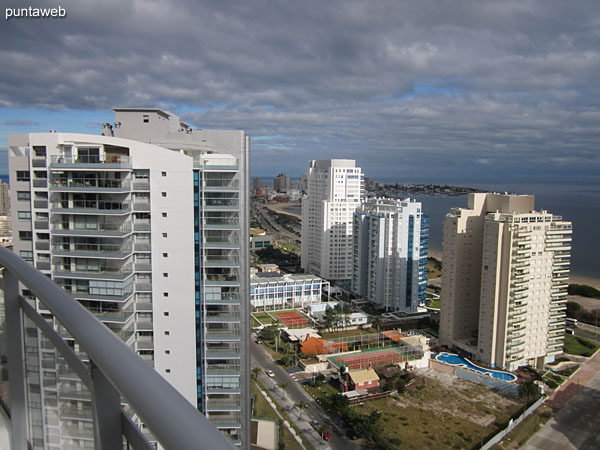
280 208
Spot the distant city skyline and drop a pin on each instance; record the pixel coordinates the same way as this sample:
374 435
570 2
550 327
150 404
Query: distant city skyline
502 90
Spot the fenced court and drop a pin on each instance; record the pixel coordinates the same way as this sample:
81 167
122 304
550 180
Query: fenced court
292 319
370 358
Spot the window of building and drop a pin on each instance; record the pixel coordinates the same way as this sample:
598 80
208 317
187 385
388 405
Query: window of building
164 235
22 175
168 370
25 254
167 332
167 352
25 235
164 214
165 255
23 195
24 215
165 294
146 118
164 174
165 275
166 313
164 194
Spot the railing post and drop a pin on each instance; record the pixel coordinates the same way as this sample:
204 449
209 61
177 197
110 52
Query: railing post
108 433
16 362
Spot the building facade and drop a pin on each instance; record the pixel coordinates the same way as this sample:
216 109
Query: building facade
281 183
390 243
151 238
268 293
334 192
4 199
505 279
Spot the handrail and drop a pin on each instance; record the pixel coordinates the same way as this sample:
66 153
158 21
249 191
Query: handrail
173 421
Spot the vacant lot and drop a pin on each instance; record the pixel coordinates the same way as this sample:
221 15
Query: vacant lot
441 411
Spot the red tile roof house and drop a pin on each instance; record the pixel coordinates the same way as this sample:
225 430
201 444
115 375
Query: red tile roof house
359 379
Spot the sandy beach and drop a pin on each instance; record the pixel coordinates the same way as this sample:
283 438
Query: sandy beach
281 208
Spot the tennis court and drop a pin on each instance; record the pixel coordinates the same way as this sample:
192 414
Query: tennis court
292 319
369 358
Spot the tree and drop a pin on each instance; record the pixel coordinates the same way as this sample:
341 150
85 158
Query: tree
300 407
529 391
269 333
255 371
339 403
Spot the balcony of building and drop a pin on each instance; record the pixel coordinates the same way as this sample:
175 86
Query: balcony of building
63 182
88 270
96 162
91 207
92 250
99 228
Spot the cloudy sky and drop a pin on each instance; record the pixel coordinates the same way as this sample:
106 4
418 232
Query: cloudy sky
411 90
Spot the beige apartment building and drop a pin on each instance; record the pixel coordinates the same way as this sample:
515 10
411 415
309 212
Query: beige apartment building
504 285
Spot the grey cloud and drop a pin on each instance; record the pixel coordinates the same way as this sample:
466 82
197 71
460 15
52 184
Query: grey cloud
403 86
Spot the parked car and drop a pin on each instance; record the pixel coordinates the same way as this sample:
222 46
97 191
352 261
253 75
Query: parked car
315 423
325 434
270 373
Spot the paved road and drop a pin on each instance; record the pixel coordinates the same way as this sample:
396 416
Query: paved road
272 226
294 393
588 331
577 423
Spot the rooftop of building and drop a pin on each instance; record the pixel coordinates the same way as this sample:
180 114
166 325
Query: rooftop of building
363 375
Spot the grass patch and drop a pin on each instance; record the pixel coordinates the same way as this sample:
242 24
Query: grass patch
289 248
255 323
264 318
434 268
575 345
434 303
262 409
522 432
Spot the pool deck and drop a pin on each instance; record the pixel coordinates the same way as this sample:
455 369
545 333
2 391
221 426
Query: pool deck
481 370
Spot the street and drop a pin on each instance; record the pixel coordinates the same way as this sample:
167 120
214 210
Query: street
296 394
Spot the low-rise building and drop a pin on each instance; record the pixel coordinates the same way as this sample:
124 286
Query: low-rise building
268 292
359 379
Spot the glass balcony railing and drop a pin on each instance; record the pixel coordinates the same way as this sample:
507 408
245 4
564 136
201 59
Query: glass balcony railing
102 383
84 161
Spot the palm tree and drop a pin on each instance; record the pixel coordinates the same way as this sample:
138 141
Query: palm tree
255 371
300 407
282 385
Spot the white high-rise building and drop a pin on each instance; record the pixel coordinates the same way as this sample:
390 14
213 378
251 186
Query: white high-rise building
390 253
334 191
152 239
505 279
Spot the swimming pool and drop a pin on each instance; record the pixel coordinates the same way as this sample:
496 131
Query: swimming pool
455 360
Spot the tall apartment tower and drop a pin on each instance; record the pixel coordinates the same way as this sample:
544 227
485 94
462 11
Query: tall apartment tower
390 243
505 278
281 183
4 199
152 239
334 191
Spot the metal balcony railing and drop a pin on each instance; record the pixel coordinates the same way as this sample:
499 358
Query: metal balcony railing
114 370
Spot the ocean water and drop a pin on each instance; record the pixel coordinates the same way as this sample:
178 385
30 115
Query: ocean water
578 203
